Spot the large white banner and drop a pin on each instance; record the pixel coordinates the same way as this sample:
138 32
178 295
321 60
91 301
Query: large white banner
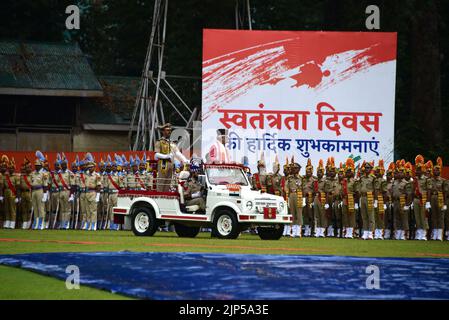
302 94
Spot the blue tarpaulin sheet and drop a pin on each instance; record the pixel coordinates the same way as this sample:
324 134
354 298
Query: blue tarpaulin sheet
195 276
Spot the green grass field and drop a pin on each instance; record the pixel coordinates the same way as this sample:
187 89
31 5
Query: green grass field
21 284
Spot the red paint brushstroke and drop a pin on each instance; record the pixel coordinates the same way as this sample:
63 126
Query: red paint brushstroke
236 60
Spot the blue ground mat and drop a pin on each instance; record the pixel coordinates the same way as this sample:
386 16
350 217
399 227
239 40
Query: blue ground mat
173 276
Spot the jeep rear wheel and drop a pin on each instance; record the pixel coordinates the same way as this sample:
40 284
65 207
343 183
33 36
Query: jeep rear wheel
271 233
186 231
225 225
143 222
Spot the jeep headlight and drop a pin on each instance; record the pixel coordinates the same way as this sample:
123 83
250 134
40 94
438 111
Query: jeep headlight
249 205
281 206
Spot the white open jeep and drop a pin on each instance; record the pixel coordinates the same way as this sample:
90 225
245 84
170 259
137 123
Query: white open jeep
231 207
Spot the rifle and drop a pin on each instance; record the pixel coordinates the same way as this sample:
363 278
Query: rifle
30 222
77 210
56 214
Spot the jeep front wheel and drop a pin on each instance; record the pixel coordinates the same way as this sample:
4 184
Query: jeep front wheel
143 222
225 225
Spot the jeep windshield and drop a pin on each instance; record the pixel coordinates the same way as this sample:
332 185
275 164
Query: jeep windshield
224 176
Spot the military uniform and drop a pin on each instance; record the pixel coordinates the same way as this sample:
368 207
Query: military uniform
113 183
165 148
388 216
307 187
366 191
349 186
319 203
81 183
2 201
192 194
11 194
259 181
399 199
54 195
380 188
293 190
332 188
274 184
93 186
25 200
65 179
39 195
436 196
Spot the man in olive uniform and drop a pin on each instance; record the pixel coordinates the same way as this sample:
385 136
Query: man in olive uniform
25 197
39 191
366 192
65 179
295 199
11 194
420 199
332 190
114 182
437 201
166 152
286 168
319 204
193 193
54 191
48 204
93 186
380 188
349 187
307 187
81 186
388 216
259 179
409 187
399 199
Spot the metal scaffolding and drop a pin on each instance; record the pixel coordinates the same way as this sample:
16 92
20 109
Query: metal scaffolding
154 87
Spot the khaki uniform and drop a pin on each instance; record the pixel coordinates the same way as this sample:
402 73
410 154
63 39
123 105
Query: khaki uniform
307 188
93 182
10 193
65 180
81 183
136 181
332 188
39 181
388 216
380 188
274 184
399 198
164 166
25 196
54 193
190 188
349 187
113 191
436 191
319 202
366 190
419 202
293 190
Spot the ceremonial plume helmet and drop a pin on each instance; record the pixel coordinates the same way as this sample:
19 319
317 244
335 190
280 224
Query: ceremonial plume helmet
350 165
40 158
419 161
439 163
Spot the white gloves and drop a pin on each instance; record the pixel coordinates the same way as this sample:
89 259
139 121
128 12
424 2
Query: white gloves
406 207
71 198
444 208
16 200
303 202
326 206
385 207
411 205
45 197
163 156
375 204
97 198
1 199
196 194
356 206
427 205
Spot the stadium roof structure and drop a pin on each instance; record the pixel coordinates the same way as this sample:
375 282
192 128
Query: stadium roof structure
46 69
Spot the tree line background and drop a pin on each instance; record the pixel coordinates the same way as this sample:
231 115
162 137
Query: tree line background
114 35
